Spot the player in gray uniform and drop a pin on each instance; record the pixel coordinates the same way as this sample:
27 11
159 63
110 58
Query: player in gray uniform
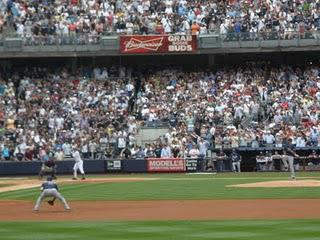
288 161
236 160
50 189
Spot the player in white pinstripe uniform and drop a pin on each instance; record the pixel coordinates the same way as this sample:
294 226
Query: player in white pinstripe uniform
78 165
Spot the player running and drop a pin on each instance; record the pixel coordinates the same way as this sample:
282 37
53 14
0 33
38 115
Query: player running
50 189
78 165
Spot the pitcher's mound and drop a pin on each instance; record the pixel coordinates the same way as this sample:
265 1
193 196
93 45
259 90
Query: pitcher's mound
272 184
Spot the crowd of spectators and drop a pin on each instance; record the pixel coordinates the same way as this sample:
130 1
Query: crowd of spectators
238 107
44 111
82 21
100 109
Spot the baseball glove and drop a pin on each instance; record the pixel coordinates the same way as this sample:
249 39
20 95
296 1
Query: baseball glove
51 202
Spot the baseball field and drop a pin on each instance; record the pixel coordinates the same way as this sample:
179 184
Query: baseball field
166 206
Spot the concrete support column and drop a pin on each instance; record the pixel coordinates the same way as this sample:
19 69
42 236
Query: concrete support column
5 68
211 61
73 65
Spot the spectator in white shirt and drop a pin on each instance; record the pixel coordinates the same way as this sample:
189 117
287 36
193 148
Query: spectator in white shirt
166 151
269 139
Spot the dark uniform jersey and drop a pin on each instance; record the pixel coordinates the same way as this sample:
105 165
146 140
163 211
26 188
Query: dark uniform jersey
235 157
49 185
50 163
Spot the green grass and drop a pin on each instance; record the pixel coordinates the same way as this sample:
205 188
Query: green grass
178 187
170 186
155 230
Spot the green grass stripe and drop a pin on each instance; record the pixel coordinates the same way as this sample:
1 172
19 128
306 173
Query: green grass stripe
169 188
160 230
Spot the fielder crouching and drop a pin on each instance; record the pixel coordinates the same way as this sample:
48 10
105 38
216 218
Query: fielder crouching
50 189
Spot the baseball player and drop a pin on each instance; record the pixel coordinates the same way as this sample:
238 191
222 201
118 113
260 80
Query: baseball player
288 161
50 189
236 160
78 165
48 166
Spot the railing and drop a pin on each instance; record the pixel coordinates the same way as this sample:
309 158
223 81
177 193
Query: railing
70 39
272 35
94 38
110 41
264 146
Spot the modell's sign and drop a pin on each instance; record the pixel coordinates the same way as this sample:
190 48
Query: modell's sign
158 43
166 165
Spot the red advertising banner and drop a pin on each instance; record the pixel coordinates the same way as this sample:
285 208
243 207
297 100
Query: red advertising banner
158 43
166 165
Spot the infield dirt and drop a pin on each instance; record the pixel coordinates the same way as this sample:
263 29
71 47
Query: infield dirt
273 184
164 210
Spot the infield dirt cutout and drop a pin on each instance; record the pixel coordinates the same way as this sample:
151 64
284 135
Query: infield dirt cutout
12 210
272 184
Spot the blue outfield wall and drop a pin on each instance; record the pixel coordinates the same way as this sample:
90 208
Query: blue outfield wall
66 167
19 168
141 165
134 166
63 167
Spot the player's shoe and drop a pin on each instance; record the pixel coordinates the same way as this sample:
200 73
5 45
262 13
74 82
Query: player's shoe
83 178
74 178
68 209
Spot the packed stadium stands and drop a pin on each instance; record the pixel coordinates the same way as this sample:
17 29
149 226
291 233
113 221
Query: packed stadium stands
81 21
101 109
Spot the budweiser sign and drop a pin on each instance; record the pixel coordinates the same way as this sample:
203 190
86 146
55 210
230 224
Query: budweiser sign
158 43
152 44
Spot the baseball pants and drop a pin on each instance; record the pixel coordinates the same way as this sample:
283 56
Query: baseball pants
78 166
236 166
50 193
288 162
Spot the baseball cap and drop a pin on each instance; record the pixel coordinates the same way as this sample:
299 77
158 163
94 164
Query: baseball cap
49 179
